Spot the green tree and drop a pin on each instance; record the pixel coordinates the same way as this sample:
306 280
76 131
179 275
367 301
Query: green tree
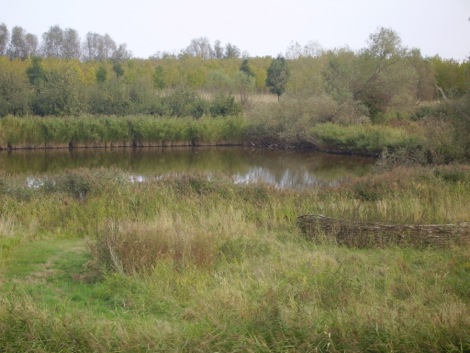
101 74
231 51
244 85
185 102
338 74
306 76
111 97
36 73
118 70
15 91
159 78
245 68
218 81
385 77
450 76
59 92
277 76
426 84
377 70
224 105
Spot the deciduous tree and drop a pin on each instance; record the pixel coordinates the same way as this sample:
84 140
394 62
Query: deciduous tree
244 85
36 73
294 51
32 44
58 93
218 81
71 45
53 42
121 53
101 74
245 68
159 81
218 50
200 47
18 48
98 47
4 38
15 92
231 51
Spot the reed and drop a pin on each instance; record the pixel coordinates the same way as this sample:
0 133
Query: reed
91 131
109 131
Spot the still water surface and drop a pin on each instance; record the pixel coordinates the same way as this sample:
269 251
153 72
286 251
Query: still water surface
282 169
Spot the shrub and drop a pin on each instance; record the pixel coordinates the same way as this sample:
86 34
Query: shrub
223 105
110 98
185 102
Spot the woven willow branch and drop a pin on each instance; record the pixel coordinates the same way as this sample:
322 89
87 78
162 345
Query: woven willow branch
364 234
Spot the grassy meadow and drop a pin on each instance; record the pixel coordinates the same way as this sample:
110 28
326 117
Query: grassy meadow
90 262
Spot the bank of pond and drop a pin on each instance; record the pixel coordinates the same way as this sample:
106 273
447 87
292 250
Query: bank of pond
148 131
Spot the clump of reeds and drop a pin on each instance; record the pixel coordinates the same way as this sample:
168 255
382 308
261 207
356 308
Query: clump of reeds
109 131
131 248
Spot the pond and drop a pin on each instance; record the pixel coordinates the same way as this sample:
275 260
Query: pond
280 168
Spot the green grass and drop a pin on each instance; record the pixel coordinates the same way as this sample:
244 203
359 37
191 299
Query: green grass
93 263
367 138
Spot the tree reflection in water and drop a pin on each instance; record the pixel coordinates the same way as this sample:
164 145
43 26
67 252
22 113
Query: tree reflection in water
282 169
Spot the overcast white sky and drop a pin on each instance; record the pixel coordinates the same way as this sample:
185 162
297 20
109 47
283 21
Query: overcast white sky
260 27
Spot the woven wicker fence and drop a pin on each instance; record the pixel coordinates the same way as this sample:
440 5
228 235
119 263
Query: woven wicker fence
363 234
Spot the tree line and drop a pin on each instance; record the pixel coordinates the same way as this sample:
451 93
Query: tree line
63 75
67 44
60 43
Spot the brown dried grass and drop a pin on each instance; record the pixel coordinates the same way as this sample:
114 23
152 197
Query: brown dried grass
131 248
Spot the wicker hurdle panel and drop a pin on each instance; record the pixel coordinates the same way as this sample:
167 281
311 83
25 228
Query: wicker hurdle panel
367 234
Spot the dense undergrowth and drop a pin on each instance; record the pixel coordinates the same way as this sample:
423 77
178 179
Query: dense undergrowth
93 262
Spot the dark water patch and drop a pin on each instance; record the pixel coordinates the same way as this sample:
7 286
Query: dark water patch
284 169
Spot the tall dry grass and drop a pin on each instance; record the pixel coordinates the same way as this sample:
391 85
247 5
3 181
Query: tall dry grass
131 248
